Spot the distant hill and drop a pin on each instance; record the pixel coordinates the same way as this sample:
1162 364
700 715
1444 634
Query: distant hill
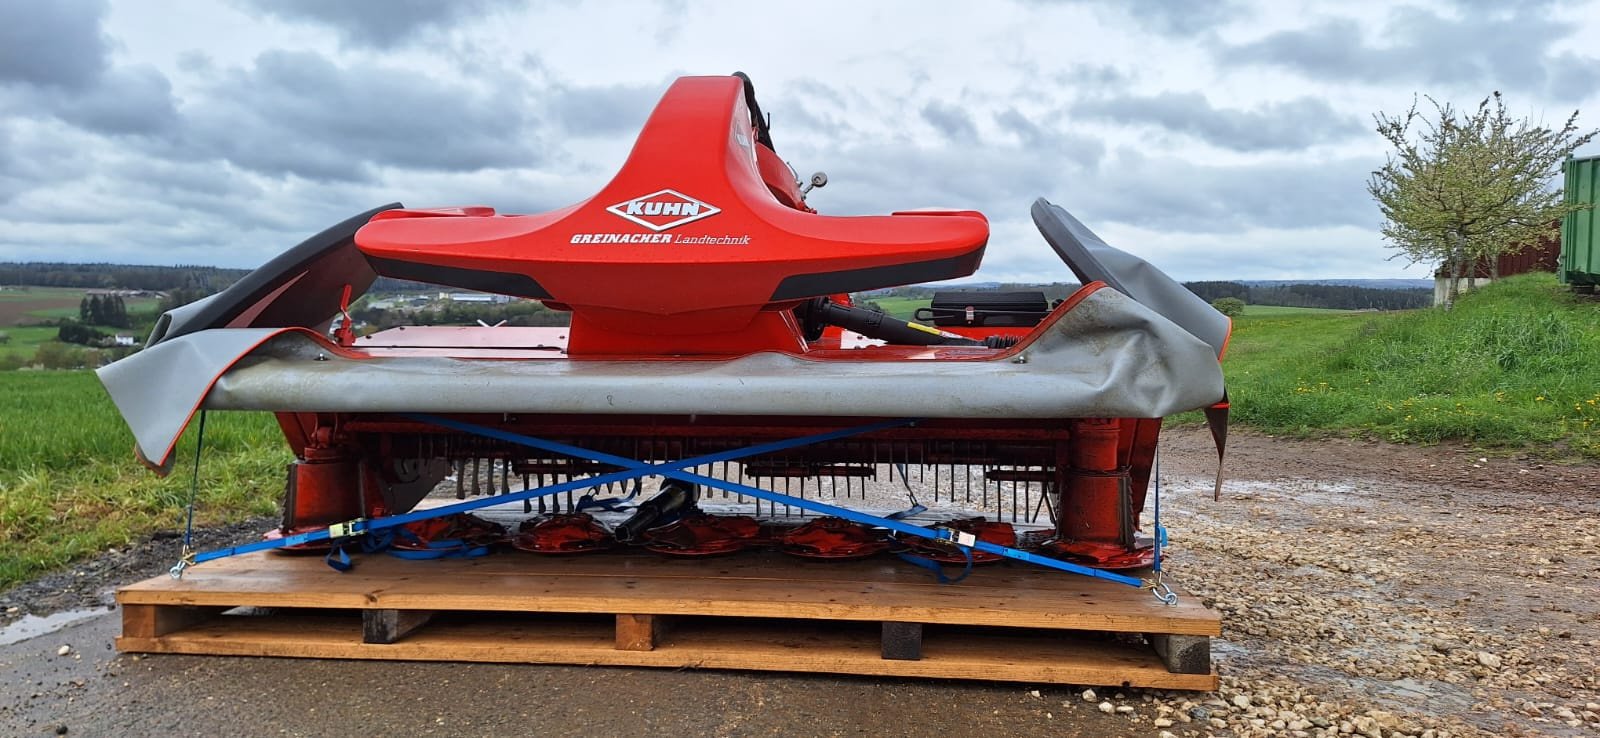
200 280
1375 284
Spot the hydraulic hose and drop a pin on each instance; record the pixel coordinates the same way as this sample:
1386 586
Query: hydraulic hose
885 327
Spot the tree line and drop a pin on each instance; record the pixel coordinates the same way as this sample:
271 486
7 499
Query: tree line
118 276
195 279
1332 296
108 310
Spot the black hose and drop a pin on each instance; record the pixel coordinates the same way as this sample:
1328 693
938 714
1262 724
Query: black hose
874 324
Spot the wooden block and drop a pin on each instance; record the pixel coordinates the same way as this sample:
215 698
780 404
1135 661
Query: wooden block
389 626
639 632
1182 654
154 621
902 641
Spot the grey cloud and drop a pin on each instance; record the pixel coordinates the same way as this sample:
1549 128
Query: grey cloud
134 100
601 110
10 183
1015 122
1178 194
950 120
1291 124
298 113
1573 77
1093 77
380 23
800 121
1501 50
52 44
882 176
810 108
1171 17
54 62
1079 149
1179 17
819 91
43 153
1169 192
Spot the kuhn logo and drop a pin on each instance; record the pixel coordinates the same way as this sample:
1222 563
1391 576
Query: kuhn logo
665 209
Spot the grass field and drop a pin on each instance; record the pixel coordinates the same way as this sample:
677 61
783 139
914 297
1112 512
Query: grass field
1262 311
1514 364
21 311
70 487
23 341
903 308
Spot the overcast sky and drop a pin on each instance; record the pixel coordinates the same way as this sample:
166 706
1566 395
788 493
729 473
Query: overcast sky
1218 140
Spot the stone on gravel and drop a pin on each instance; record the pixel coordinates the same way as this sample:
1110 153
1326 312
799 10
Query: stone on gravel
1107 708
1488 659
64 650
1089 695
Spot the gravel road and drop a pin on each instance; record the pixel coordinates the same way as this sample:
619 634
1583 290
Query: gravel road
1366 589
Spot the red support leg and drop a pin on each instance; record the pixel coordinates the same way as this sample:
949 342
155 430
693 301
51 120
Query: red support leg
1096 520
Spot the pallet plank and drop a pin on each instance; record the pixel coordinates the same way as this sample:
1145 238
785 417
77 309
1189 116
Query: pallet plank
753 611
795 649
384 583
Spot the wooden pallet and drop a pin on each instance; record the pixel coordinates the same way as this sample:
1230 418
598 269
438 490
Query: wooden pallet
762 611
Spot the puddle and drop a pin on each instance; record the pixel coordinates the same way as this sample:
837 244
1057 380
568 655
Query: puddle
33 626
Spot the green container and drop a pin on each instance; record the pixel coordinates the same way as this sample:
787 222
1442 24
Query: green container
1580 231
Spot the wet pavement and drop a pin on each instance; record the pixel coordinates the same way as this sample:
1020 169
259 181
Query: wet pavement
93 691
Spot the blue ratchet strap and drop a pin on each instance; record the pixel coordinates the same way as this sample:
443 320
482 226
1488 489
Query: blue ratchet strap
937 567
338 559
449 548
383 540
633 471
443 548
378 540
674 471
608 504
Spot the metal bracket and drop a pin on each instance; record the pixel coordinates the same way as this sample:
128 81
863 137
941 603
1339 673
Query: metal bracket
185 560
347 528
